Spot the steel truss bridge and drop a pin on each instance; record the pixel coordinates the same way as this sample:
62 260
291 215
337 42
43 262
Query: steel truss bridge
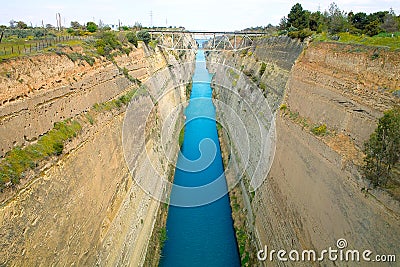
217 41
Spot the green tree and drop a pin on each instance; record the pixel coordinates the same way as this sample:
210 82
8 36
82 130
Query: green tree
298 17
359 20
131 36
373 28
21 25
382 150
144 36
91 26
315 20
337 19
75 25
283 24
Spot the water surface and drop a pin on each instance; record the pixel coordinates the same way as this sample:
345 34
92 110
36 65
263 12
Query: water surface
199 225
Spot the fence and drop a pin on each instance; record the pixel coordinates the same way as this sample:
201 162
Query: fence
36 45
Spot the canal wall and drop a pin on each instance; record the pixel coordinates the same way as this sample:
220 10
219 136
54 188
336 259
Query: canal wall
87 206
313 194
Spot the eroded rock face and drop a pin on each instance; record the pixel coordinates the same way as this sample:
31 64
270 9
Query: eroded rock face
88 209
54 88
346 87
313 194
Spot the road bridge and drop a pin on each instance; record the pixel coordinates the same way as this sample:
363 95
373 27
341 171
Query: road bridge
217 40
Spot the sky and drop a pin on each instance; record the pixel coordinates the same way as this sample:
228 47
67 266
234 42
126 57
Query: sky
210 15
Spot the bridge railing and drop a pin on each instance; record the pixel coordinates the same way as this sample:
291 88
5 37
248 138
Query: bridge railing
218 40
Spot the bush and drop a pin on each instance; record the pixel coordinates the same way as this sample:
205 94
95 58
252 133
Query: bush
91 26
131 36
262 69
382 150
283 107
106 43
58 148
303 34
19 160
144 36
319 130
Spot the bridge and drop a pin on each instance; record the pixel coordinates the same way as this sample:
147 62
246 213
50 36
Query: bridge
217 40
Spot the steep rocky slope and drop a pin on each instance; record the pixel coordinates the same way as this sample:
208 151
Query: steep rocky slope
87 207
314 193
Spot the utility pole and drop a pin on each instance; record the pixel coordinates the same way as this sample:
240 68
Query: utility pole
58 18
151 18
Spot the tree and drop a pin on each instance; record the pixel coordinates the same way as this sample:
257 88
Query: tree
315 20
359 20
382 150
390 23
101 24
283 24
12 24
21 25
137 26
144 36
49 26
337 19
2 28
75 25
91 26
297 17
373 28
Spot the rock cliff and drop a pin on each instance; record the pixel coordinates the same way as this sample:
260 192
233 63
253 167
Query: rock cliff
87 207
313 194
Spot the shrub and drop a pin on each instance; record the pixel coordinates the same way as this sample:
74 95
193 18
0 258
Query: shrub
163 236
263 86
319 130
91 26
19 160
283 107
382 150
153 44
144 36
262 69
303 34
131 36
58 147
106 43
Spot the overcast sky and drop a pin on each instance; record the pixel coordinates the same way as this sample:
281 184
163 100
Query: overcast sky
194 15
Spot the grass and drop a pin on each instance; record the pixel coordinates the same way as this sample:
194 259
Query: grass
19 160
7 45
181 137
115 103
262 68
162 234
383 39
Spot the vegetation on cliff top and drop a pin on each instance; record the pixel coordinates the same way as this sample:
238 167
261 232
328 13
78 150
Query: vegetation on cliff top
17 39
333 23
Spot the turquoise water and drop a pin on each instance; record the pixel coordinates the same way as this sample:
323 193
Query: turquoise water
199 224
